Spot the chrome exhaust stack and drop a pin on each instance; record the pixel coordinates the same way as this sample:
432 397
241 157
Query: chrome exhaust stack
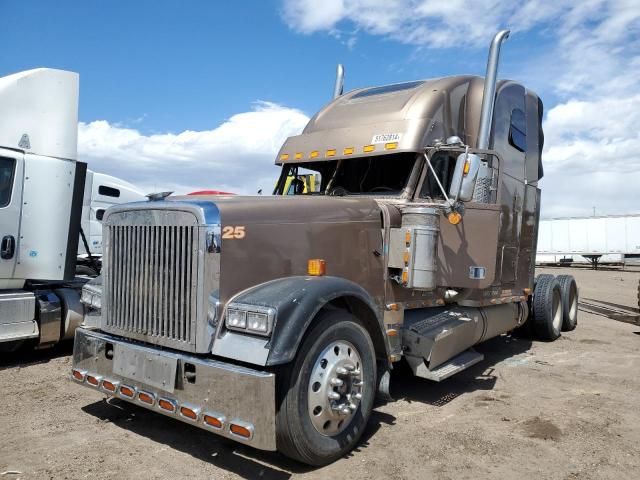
489 93
339 86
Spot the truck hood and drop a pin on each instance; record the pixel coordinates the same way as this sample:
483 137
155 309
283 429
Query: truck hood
243 210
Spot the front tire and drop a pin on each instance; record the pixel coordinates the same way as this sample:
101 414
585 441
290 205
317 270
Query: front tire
326 394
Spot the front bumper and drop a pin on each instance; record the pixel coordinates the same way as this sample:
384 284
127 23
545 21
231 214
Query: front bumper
229 400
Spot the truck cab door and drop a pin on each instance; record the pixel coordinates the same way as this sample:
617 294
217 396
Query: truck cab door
11 176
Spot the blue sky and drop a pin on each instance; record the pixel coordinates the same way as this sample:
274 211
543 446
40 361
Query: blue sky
191 65
171 91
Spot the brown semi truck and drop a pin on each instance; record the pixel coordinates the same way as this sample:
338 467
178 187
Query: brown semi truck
274 321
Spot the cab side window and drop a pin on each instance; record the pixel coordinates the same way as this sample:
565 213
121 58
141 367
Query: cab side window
108 191
7 167
518 130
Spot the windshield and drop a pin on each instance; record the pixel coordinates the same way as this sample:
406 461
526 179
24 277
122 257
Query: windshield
377 175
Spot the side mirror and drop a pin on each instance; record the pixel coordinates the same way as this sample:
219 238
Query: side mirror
464 177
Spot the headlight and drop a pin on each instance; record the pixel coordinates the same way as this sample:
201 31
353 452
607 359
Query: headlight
236 318
86 297
250 318
91 296
257 322
96 302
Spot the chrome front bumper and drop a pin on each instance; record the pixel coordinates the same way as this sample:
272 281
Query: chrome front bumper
229 400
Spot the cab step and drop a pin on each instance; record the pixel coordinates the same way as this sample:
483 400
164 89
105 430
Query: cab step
457 364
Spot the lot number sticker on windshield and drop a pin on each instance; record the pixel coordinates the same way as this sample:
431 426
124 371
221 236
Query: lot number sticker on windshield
386 137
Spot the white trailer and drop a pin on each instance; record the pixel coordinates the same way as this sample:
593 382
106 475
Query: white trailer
611 238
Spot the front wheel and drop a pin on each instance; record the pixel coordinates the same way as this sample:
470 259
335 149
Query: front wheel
327 393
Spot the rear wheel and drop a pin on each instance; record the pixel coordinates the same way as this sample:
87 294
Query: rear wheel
327 393
547 308
569 290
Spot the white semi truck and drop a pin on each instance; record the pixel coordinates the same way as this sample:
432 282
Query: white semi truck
42 194
100 192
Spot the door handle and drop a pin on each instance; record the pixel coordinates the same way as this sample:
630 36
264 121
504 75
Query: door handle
8 247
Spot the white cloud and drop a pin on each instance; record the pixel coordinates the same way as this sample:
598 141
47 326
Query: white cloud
435 23
236 156
592 145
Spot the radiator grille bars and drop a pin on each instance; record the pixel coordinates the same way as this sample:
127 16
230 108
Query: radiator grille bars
150 281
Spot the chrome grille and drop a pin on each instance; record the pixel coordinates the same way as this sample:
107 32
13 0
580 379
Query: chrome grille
150 283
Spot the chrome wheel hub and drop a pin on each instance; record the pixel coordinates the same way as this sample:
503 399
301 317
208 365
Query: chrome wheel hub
335 388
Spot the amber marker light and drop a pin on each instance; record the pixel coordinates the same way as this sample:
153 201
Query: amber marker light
454 218
391 146
212 421
145 397
166 405
298 155
467 166
347 151
331 152
316 267
405 277
284 156
108 386
241 431
314 154
188 413
368 148
127 391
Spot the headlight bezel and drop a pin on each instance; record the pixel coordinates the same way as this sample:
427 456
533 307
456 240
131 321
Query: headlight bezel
245 310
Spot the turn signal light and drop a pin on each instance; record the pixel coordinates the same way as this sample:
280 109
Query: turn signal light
127 391
91 380
78 375
316 267
241 431
454 218
145 397
108 386
212 421
188 413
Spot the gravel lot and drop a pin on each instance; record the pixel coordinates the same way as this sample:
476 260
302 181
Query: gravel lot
568 409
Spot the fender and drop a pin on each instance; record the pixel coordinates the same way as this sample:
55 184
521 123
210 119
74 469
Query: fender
297 300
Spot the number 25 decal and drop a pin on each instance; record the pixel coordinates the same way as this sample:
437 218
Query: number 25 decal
230 232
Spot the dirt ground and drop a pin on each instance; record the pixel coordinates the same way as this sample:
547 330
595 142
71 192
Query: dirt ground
567 410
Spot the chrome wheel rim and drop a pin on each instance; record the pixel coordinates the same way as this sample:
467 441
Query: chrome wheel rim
335 388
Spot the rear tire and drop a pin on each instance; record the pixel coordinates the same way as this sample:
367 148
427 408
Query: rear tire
547 308
308 426
569 290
